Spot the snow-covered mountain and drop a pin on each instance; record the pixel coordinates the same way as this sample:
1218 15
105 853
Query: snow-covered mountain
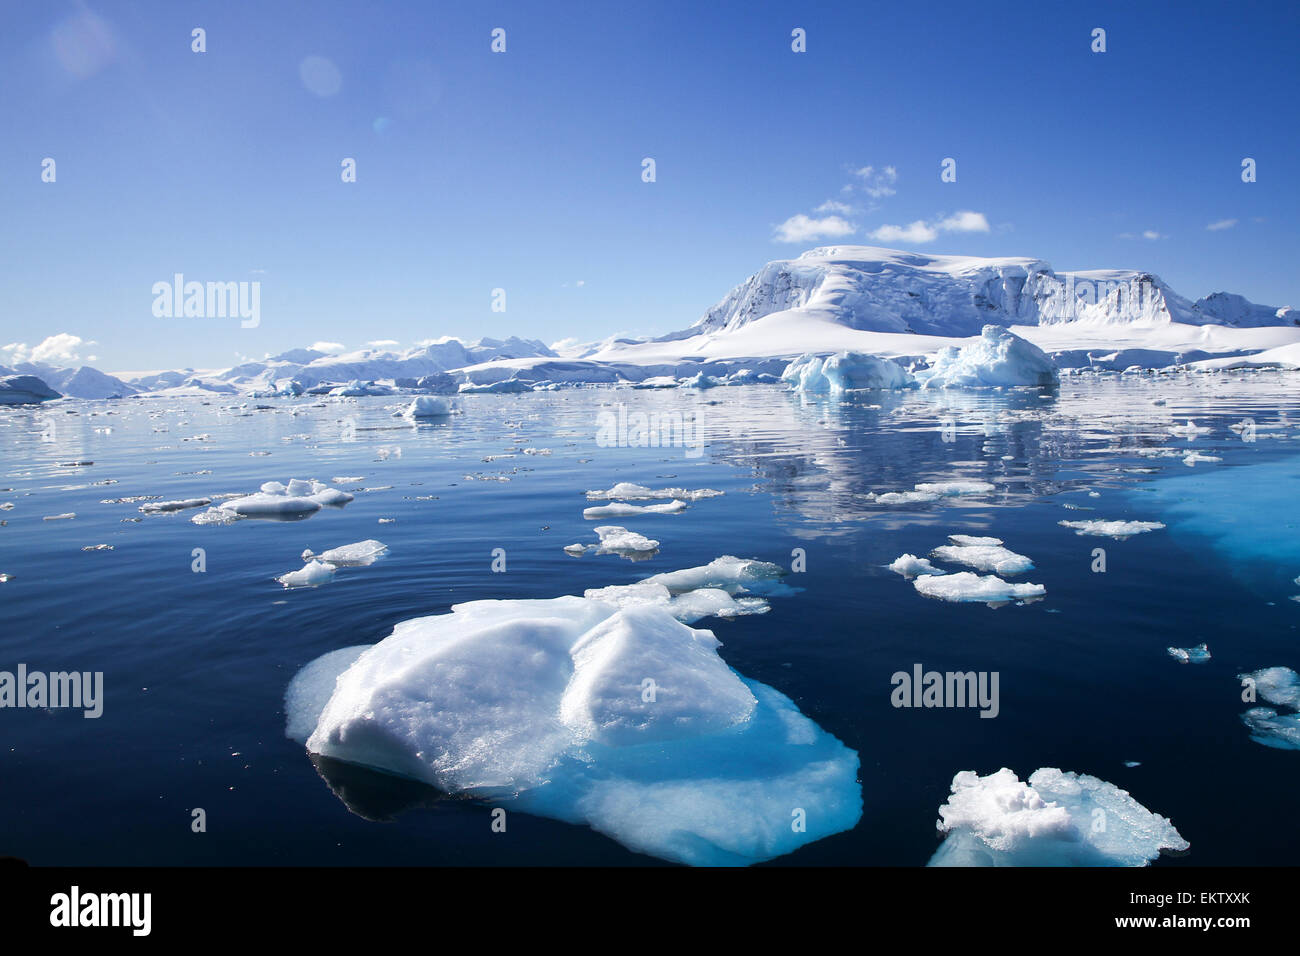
80 382
884 290
883 302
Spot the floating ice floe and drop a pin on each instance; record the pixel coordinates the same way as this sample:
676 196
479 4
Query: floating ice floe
617 540
910 566
1052 820
313 574
965 586
1111 529
725 587
1191 655
163 507
927 492
628 491
298 497
67 515
1190 430
845 372
619 509
356 555
1279 686
996 358
428 406
623 719
982 554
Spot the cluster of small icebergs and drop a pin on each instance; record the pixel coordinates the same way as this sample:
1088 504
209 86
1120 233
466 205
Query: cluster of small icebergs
981 553
319 569
300 498
606 709
1050 820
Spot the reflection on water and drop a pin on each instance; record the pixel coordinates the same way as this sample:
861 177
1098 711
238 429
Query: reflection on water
196 663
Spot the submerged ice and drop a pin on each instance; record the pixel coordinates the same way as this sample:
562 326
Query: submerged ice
610 713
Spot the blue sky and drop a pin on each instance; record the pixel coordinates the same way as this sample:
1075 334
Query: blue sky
522 170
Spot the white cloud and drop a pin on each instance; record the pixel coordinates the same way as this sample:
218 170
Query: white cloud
877 183
60 349
329 348
965 221
1221 224
801 228
1149 234
830 205
376 344
921 231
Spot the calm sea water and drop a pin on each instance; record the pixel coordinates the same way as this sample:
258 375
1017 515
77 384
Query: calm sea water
196 664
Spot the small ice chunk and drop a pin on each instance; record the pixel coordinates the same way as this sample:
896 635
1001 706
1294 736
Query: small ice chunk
161 507
974 541
1268 727
960 486
358 554
629 491
910 566
1190 430
904 497
619 509
1111 529
312 575
63 517
997 820
969 587
1192 458
617 540
214 516
1191 655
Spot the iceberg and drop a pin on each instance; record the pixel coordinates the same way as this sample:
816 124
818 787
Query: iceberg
845 372
997 358
427 406
623 719
1056 819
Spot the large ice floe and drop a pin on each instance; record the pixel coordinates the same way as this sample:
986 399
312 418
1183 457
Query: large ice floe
605 710
845 372
1279 686
299 498
982 554
1058 818
996 358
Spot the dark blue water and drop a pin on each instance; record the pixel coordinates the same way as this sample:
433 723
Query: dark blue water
196 664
